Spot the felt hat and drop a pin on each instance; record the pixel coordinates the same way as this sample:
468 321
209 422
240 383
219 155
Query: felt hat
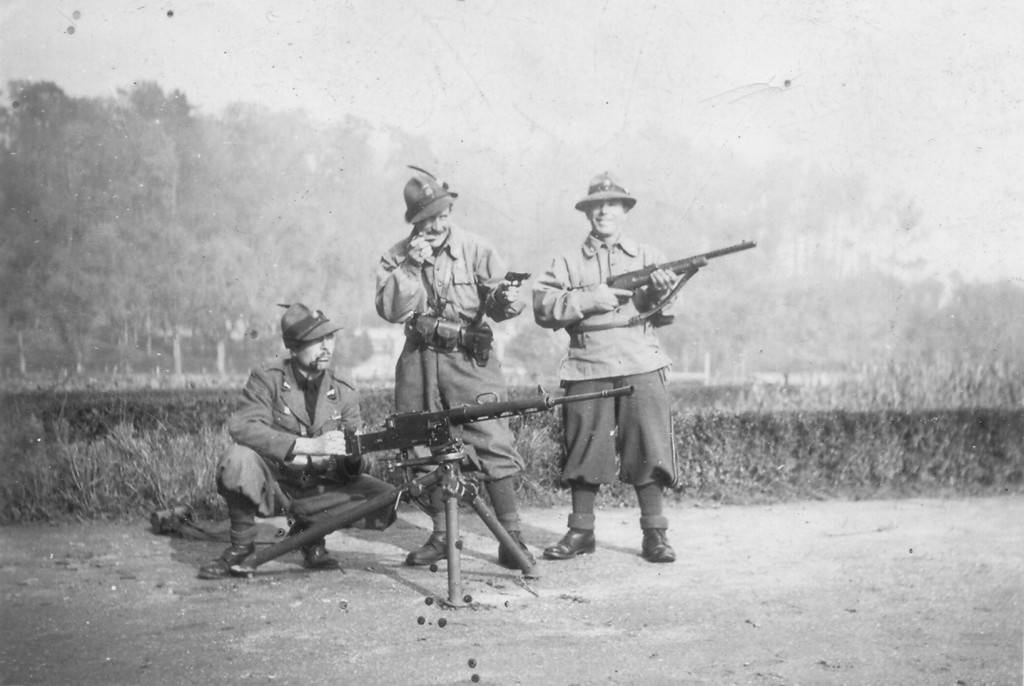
426 197
299 324
604 187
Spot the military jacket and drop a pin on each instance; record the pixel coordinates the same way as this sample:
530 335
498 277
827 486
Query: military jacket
272 412
600 345
454 284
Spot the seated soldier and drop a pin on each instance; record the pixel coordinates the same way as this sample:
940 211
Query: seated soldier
289 456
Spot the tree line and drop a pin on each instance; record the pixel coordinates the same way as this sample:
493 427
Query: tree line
141 234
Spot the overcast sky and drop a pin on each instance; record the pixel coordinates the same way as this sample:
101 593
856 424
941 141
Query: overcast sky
921 94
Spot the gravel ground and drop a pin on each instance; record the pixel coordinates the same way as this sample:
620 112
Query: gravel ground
919 591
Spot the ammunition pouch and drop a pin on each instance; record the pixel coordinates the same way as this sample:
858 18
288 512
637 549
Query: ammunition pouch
477 341
445 335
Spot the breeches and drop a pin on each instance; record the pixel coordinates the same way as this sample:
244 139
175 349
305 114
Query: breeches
243 477
629 437
431 380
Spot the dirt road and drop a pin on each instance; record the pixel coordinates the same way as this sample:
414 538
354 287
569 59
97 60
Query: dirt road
882 592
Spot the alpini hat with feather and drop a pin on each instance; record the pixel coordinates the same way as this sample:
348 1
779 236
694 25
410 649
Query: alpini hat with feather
604 187
299 324
426 196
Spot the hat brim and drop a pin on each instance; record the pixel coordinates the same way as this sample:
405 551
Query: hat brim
432 210
627 200
317 332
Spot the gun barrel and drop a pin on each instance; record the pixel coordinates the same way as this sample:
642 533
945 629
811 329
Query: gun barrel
613 393
745 245
466 414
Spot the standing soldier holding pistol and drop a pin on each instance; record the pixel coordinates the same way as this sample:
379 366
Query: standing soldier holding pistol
612 343
440 282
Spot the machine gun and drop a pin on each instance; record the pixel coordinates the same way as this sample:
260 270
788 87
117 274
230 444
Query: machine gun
428 433
685 268
426 439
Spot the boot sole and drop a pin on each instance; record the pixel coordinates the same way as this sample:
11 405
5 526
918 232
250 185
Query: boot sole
559 556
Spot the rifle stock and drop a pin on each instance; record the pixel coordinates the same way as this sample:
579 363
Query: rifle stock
641 277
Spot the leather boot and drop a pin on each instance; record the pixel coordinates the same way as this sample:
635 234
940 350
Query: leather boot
430 552
221 567
505 558
656 547
315 556
575 542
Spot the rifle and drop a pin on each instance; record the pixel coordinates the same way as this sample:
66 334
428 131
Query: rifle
686 268
641 277
426 439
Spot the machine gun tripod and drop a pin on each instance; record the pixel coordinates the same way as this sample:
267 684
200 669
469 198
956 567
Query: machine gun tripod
425 439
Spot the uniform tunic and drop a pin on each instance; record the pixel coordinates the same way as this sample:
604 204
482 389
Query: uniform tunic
272 413
456 284
607 351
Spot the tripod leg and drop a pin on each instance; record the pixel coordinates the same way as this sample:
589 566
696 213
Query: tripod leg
451 524
320 529
503 537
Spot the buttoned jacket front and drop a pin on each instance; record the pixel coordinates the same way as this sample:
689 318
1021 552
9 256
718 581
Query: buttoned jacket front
272 412
608 344
455 283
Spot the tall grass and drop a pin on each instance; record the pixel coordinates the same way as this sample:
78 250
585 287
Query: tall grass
894 430
894 386
122 474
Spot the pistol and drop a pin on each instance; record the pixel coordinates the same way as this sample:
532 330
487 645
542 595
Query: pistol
517 278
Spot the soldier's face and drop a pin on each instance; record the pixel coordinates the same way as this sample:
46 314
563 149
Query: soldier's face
435 230
314 357
606 218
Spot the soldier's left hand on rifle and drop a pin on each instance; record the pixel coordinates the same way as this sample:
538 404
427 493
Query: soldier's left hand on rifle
662 281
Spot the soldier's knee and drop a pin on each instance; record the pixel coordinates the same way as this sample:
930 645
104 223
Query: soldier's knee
236 455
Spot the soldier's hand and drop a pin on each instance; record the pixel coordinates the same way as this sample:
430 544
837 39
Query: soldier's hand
603 299
418 250
663 280
301 461
334 443
506 293
323 446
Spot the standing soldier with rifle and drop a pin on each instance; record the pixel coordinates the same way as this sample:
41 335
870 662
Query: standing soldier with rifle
441 282
612 343
289 452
